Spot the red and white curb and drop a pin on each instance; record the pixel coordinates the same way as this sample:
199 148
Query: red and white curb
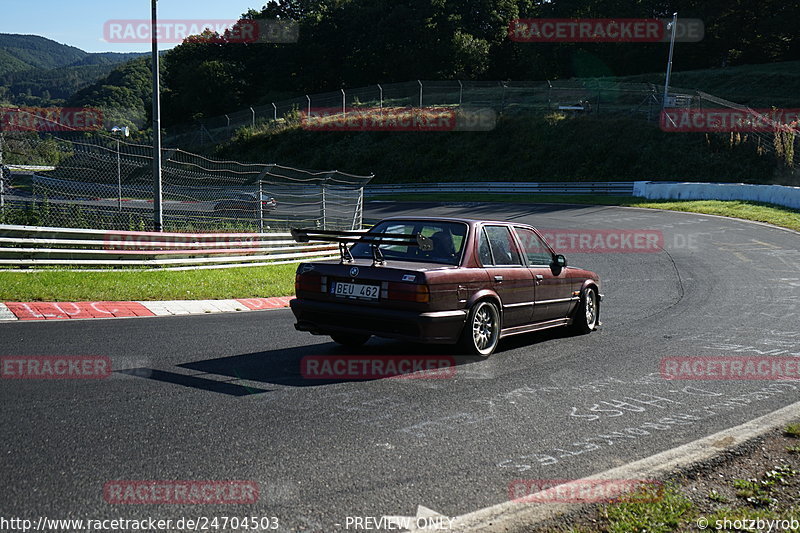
78 310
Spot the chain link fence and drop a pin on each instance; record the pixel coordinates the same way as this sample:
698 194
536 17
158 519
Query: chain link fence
586 97
94 180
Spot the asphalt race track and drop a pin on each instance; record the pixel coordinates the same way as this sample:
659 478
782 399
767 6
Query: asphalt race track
221 397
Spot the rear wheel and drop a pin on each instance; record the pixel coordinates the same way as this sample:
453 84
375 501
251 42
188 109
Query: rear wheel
482 330
586 314
349 339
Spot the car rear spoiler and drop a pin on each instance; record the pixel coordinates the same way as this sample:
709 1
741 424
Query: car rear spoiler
353 237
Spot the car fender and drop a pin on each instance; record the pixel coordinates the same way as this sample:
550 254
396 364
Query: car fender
485 294
593 284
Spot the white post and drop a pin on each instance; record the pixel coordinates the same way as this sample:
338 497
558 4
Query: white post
253 111
381 100
344 112
309 105
420 93
674 23
119 180
460 91
260 207
158 213
274 111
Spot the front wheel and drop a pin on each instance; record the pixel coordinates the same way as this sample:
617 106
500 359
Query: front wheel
586 314
482 330
349 339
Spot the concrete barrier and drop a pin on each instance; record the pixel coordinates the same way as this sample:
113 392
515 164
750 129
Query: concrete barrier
771 194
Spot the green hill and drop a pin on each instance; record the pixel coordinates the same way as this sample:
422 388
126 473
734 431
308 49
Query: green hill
39 71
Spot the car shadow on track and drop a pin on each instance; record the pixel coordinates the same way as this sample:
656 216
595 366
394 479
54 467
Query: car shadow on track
326 364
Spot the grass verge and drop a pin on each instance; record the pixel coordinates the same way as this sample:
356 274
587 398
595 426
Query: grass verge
756 491
759 212
211 284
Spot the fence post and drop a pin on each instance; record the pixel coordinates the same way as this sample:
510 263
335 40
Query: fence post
460 91
344 104
358 214
420 93
260 207
309 105
274 111
381 96
2 175
323 210
253 111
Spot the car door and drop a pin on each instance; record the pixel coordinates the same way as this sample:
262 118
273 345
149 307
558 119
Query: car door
508 275
553 288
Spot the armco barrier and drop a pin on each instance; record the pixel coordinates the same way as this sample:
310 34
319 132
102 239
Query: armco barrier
771 194
621 188
42 246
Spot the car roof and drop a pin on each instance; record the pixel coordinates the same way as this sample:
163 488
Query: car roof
470 221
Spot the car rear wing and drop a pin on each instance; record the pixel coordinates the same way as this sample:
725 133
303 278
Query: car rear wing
353 237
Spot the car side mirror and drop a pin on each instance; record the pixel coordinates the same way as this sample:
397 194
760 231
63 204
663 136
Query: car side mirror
559 261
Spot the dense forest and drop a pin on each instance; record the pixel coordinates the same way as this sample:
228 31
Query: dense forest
352 43
37 71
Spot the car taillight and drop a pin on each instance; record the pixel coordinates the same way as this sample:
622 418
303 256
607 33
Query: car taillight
308 283
409 292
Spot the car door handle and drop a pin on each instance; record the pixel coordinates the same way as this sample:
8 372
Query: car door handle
537 279
498 278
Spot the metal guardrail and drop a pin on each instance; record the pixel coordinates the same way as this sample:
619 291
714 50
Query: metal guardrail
72 247
621 188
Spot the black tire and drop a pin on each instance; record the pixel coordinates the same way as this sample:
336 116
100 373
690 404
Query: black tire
587 313
350 339
482 331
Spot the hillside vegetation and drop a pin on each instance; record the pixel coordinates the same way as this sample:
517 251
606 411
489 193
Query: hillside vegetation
526 148
39 71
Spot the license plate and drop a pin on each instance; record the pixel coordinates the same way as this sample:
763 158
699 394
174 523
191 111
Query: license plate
356 290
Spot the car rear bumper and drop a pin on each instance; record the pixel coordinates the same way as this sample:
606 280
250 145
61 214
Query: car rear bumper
324 318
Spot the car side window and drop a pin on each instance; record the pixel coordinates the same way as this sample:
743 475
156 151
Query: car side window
502 245
484 252
534 248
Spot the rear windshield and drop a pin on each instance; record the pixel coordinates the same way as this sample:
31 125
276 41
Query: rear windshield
447 238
